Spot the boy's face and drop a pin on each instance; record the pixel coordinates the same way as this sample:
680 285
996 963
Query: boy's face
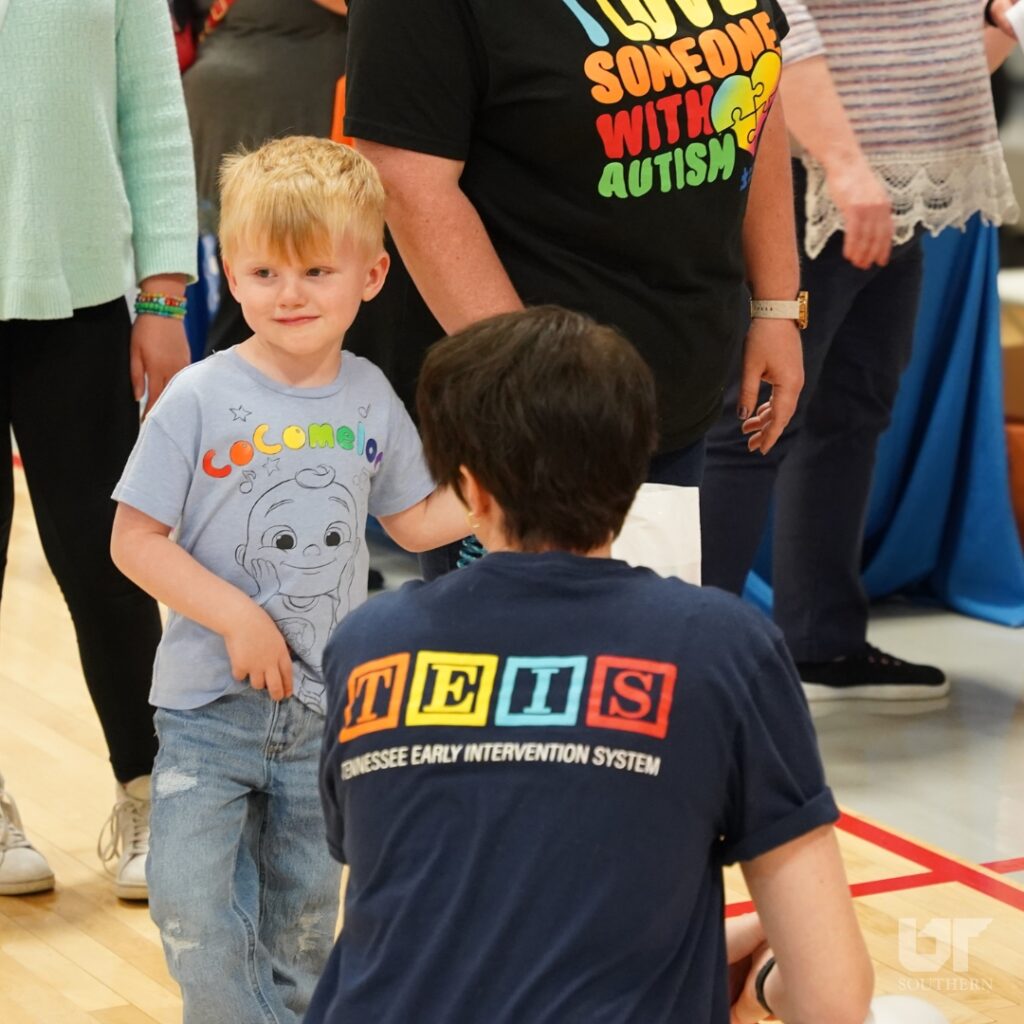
303 309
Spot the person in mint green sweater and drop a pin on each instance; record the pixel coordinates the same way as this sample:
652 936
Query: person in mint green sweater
97 195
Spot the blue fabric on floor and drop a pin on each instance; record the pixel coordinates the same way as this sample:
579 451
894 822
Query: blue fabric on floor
940 525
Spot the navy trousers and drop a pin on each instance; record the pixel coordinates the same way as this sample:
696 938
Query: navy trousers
856 347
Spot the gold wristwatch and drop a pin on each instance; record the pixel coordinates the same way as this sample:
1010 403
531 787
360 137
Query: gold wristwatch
781 309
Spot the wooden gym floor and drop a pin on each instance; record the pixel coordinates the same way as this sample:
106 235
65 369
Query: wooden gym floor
80 956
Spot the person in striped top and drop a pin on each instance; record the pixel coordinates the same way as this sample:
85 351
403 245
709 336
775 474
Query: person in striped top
890 113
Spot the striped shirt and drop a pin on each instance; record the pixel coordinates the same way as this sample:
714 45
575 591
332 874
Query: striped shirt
914 82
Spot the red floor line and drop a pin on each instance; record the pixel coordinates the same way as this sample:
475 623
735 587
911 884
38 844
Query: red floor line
950 870
871 888
1005 867
905 848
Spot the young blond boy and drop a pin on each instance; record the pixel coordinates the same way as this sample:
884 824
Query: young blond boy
264 461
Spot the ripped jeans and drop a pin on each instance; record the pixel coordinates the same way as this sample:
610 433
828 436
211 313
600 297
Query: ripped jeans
241 883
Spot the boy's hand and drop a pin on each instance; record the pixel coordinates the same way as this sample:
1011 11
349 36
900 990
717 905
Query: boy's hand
258 651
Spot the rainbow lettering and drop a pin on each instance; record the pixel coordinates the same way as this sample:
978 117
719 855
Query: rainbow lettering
686 103
456 688
293 437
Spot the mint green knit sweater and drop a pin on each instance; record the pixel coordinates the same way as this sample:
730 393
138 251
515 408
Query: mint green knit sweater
96 177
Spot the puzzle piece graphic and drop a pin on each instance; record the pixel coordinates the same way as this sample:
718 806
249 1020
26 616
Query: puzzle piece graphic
742 102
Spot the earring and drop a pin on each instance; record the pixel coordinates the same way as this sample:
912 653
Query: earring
470 517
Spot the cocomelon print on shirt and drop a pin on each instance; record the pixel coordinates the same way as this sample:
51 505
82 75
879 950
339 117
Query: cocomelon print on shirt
269 487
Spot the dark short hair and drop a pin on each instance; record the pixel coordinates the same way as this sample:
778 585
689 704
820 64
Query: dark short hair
553 413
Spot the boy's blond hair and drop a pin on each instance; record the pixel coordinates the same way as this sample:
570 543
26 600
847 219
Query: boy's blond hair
298 196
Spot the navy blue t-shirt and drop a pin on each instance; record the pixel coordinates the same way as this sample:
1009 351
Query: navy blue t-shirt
535 769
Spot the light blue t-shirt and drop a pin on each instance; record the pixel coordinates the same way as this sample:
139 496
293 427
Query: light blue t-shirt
269 487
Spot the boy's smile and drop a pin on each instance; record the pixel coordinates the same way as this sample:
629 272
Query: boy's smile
299 310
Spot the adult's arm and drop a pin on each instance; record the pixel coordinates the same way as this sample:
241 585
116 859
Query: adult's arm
159 180
443 242
998 46
817 120
772 351
822 970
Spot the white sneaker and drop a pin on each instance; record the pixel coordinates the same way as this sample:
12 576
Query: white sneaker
23 869
125 839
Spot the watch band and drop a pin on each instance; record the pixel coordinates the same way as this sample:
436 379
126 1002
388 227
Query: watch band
759 982
781 309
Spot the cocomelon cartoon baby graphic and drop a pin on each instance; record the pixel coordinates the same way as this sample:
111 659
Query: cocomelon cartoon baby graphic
300 550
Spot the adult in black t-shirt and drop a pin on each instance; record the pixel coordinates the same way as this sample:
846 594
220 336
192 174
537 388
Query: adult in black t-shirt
536 767
598 154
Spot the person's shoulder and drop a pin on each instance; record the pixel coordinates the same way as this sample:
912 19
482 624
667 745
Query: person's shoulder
364 633
381 611
199 377
676 595
715 626
183 398
364 372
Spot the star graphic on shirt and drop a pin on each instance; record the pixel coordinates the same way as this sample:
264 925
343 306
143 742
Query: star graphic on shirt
241 413
272 466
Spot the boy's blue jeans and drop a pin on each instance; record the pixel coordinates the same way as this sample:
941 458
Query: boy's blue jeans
241 883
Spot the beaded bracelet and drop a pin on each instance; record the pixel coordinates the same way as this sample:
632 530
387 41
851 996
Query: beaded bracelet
161 305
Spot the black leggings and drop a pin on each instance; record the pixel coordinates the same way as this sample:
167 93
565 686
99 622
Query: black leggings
65 391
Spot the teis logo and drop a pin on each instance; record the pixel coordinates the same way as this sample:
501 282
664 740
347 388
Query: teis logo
451 689
632 695
374 692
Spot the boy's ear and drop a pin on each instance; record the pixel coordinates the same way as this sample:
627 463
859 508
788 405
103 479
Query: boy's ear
230 275
375 276
474 495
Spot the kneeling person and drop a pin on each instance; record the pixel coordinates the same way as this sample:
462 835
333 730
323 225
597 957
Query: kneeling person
537 766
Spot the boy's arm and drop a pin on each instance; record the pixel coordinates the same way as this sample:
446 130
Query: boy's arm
143 550
822 970
440 518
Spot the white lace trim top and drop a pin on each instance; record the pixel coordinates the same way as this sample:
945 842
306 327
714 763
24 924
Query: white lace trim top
914 83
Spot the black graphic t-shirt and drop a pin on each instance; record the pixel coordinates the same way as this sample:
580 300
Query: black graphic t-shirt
608 147
535 768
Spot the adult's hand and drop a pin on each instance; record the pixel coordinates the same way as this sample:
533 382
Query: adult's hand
998 12
773 354
159 350
864 203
